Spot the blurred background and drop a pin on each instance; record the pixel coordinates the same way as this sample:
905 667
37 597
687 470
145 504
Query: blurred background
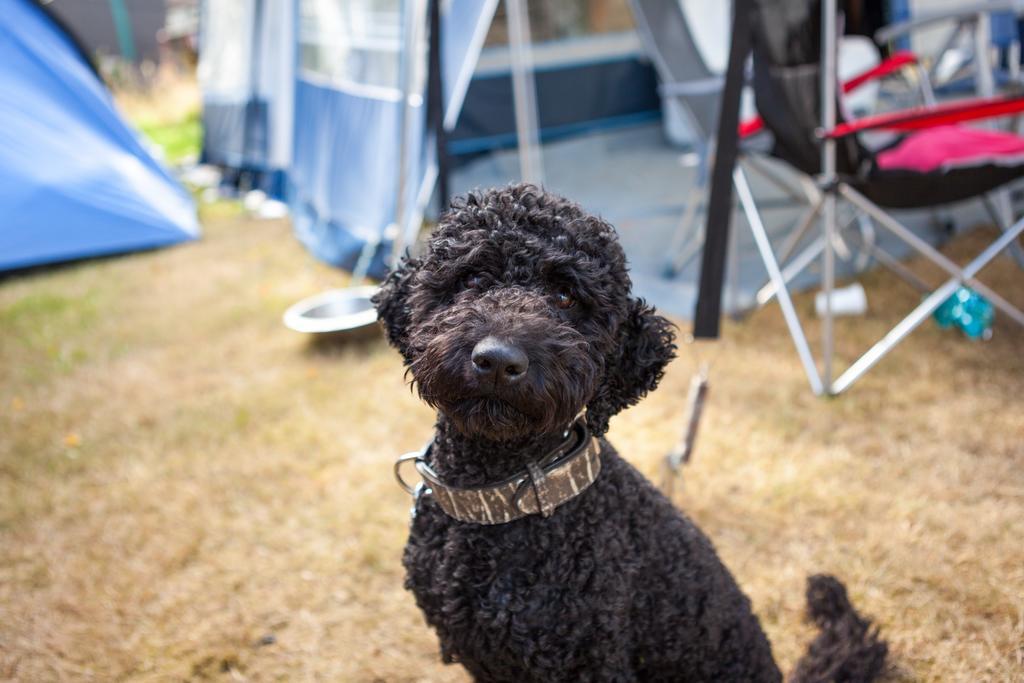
196 442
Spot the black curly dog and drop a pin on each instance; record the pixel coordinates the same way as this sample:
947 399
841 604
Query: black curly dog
617 585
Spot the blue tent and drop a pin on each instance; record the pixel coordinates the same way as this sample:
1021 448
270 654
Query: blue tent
75 181
343 180
327 117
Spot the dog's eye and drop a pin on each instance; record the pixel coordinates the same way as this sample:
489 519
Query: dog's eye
474 282
563 300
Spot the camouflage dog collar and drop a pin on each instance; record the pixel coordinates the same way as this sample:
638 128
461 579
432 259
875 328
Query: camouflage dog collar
553 480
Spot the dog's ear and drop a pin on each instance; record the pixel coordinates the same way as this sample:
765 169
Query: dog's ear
644 347
392 302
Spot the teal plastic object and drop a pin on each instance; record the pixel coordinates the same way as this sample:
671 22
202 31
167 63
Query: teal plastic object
977 316
123 29
944 315
969 311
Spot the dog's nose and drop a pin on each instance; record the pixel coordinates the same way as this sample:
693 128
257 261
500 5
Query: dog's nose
505 362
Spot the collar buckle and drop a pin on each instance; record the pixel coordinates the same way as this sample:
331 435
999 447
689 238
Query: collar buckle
541 491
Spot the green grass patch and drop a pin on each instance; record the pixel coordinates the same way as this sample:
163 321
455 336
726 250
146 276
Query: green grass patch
47 327
179 139
41 316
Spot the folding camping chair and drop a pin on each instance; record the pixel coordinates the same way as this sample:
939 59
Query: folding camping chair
669 31
935 162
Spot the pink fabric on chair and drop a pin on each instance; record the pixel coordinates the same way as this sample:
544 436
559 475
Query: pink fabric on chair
952 147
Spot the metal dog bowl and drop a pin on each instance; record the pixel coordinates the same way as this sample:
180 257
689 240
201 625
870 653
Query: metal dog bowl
334 313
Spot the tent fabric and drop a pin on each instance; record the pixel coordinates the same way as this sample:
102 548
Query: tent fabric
75 181
342 182
343 179
247 76
583 85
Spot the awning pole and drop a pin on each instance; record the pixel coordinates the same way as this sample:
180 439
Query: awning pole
123 29
524 92
415 15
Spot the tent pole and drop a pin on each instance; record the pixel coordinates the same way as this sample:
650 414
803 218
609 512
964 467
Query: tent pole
524 92
123 29
414 12
255 130
435 103
828 181
452 107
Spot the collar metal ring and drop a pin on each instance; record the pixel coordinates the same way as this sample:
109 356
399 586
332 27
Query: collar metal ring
408 457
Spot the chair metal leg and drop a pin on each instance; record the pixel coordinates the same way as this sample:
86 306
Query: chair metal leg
693 248
924 309
927 92
800 230
896 267
1000 209
951 40
758 165
686 242
806 257
842 249
869 249
984 79
829 88
866 228
828 281
767 291
937 257
792 269
772 266
895 336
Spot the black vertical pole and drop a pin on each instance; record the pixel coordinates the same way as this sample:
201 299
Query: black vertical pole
435 101
716 233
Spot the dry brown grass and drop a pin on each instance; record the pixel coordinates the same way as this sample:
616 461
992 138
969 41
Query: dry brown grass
182 479
169 95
